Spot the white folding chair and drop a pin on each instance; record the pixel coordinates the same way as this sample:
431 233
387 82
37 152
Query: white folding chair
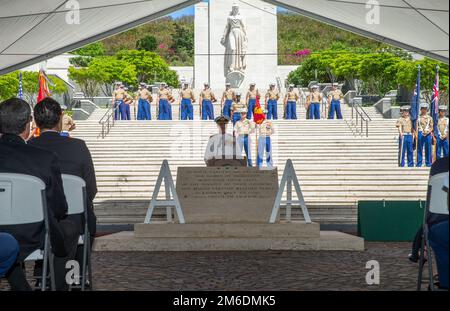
23 201
437 203
75 192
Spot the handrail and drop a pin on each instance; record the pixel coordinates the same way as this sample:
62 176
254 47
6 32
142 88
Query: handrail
361 118
108 121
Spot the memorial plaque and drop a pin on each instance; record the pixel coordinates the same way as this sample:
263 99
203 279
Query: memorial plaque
226 194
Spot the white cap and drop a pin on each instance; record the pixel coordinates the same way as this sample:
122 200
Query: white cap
335 84
424 105
443 108
315 86
252 84
291 86
238 93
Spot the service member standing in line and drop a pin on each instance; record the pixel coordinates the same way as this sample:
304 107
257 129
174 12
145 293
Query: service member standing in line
272 97
290 103
207 98
425 136
335 98
265 131
250 99
237 106
117 99
243 130
165 108
187 99
406 132
67 123
228 97
144 98
442 134
314 100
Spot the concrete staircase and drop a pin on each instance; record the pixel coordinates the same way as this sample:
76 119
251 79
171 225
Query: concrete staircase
335 168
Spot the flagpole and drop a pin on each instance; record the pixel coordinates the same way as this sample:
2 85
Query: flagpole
435 105
417 120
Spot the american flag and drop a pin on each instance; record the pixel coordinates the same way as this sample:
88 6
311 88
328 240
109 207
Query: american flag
20 86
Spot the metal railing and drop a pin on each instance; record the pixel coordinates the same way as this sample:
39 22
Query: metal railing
108 121
359 123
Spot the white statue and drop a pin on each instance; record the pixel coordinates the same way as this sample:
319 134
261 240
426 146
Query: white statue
235 41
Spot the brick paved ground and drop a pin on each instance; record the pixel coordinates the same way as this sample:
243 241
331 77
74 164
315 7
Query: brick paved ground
322 270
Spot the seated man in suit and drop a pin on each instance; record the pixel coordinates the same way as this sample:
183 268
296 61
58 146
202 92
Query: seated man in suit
16 156
74 156
9 249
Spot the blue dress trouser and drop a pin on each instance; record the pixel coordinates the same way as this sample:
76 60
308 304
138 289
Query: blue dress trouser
236 117
244 143
291 111
406 145
187 110
125 113
165 110
117 105
314 112
207 110
441 148
438 237
227 108
144 112
335 108
9 249
424 142
251 107
264 145
272 109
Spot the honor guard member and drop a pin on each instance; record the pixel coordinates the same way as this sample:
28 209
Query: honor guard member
442 135
272 97
243 129
187 99
237 106
221 149
425 135
67 123
144 98
406 132
250 99
117 99
128 101
165 108
313 102
335 98
228 97
290 103
207 98
265 131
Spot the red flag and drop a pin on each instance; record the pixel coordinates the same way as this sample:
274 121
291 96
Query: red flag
43 87
258 113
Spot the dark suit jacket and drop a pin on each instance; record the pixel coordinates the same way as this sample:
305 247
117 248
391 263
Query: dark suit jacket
19 158
75 159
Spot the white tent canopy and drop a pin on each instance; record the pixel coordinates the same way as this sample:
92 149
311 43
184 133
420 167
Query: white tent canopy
31 31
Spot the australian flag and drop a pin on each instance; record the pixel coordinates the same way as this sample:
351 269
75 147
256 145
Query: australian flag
416 102
435 101
20 94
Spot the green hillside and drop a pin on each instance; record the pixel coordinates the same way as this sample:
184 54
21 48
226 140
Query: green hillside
174 38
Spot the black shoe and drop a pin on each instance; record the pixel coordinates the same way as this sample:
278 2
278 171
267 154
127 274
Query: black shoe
413 258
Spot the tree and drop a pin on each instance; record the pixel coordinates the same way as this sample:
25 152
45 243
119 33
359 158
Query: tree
148 43
110 69
9 85
87 54
150 67
87 80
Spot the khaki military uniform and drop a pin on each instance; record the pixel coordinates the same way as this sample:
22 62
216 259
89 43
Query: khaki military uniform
228 95
272 95
207 95
243 129
336 95
405 125
252 94
443 127
187 94
266 129
67 123
425 124
164 94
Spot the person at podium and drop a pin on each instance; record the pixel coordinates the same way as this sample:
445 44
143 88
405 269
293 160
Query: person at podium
222 149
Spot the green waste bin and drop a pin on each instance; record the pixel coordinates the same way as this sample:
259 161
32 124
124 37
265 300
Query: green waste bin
389 221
